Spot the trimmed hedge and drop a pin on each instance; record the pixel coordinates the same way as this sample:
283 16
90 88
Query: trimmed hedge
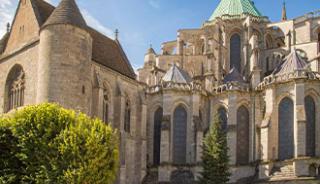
48 144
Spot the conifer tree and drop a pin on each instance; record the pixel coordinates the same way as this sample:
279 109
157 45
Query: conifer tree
215 159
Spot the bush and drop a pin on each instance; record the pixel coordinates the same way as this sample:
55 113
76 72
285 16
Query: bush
48 144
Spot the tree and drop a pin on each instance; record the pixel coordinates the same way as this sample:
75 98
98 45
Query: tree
55 145
215 159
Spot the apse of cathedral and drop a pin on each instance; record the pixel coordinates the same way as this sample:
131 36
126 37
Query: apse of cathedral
260 77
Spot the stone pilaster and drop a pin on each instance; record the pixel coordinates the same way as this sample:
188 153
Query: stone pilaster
299 121
232 128
164 172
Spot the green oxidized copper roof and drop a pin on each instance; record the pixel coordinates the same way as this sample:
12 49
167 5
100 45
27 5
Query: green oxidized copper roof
235 7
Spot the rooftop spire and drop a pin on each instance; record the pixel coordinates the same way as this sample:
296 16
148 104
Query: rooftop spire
8 27
116 34
67 12
284 12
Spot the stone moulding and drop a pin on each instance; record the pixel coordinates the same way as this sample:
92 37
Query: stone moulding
165 125
231 86
192 87
298 74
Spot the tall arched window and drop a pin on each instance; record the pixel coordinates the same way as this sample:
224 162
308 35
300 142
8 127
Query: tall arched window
286 138
105 106
310 109
235 52
127 116
15 85
180 135
223 118
319 41
242 136
157 136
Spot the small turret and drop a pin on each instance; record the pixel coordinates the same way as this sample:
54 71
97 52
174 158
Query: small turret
150 57
65 52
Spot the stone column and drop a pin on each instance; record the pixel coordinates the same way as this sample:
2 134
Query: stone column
164 171
144 140
232 128
299 121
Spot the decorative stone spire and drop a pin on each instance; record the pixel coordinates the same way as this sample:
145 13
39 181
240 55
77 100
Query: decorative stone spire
284 12
67 12
8 27
116 34
151 50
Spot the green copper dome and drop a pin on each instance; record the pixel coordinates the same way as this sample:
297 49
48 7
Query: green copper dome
235 7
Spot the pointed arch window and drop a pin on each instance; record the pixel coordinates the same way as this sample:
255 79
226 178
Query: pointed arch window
319 40
127 116
235 52
223 118
310 109
286 135
15 86
242 136
105 106
157 136
180 135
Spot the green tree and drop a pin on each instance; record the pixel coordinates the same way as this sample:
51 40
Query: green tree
55 145
215 159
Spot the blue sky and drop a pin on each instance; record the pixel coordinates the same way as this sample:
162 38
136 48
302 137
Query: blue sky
145 22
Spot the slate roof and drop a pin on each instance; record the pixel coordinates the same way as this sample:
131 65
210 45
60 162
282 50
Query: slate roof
233 76
105 51
176 75
235 7
67 12
3 42
292 62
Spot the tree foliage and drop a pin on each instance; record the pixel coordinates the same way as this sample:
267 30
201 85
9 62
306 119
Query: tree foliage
48 144
215 159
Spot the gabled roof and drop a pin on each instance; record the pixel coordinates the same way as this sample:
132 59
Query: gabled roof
177 75
292 62
105 51
67 12
235 7
109 53
3 42
233 76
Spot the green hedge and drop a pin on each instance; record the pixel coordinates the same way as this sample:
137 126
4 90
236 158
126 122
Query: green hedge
48 144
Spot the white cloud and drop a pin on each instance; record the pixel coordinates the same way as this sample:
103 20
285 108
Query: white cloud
6 14
96 24
154 4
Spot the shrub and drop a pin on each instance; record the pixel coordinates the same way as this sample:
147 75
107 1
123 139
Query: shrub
215 159
55 145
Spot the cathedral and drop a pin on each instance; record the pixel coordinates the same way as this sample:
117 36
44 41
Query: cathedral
261 78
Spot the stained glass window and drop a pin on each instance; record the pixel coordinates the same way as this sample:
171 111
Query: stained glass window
242 136
157 136
235 52
286 138
179 135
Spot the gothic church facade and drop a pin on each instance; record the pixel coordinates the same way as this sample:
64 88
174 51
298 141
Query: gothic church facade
260 77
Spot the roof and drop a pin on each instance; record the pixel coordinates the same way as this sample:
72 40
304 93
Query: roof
235 7
151 51
3 42
292 62
67 12
177 75
233 76
108 52
105 51
42 10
